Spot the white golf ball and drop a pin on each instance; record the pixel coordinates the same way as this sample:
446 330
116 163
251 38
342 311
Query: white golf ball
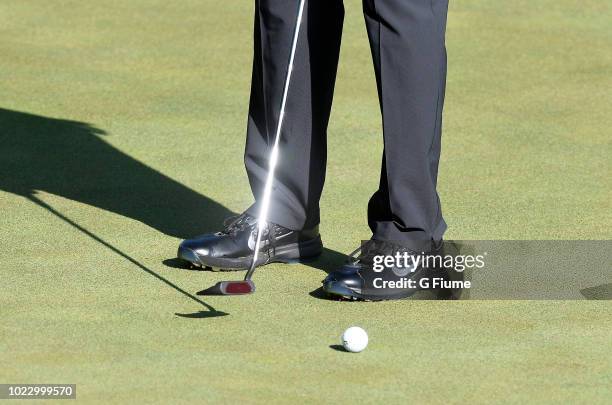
354 339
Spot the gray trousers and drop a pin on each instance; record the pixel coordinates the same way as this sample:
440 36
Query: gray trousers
409 54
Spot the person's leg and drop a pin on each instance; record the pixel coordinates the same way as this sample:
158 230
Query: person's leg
407 42
292 233
300 173
408 49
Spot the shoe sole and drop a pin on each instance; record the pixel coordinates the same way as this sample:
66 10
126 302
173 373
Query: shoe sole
339 289
336 289
290 253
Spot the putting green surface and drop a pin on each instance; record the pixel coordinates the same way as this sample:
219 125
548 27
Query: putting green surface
121 132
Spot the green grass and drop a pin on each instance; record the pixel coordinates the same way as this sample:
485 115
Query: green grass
526 155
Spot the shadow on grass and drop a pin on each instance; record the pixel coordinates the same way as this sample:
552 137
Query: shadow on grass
72 159
329 260
211 311
599 292
201 314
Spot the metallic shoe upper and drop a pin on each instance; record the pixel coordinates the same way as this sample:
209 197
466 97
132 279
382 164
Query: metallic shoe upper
238 238
358 273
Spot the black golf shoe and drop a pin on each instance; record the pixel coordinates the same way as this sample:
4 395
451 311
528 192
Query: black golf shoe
368 277
233 248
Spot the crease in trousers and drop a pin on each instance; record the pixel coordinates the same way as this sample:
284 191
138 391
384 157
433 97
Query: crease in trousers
407 42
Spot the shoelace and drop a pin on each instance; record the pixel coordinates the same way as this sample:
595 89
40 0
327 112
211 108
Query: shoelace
236 223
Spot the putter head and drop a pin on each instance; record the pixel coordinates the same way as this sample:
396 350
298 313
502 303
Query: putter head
241 287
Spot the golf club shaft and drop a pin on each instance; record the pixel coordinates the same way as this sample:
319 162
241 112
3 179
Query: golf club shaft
265 202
